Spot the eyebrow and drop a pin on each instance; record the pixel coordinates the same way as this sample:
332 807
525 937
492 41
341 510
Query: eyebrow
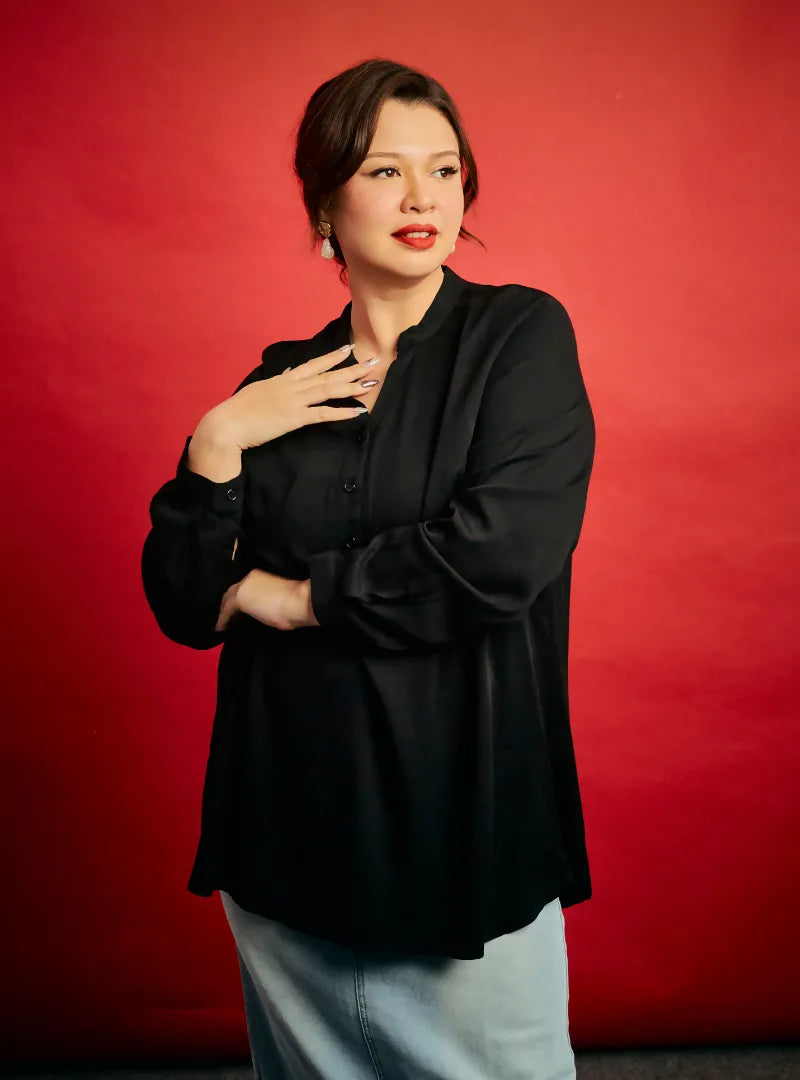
389 153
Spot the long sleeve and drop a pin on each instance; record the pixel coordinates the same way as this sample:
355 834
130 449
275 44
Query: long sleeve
512 523
416 745
187 560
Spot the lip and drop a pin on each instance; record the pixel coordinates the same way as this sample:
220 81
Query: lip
421 243
416 228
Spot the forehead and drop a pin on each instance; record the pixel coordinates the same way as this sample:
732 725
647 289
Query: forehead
412 130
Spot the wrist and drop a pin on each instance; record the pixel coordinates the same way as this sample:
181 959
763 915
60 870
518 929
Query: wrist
304 603
215 430
212 451
284 603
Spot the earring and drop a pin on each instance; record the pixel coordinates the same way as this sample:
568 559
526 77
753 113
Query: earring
325 230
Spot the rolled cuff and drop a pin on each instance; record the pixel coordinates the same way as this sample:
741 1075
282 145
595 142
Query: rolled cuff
324 571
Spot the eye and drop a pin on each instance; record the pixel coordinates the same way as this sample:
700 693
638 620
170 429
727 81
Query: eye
449 170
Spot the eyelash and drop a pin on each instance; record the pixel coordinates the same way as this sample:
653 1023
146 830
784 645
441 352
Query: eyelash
451 170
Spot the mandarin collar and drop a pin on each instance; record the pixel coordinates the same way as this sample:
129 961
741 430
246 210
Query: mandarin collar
446 298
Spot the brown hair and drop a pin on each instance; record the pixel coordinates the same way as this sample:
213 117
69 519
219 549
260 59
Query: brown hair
337 127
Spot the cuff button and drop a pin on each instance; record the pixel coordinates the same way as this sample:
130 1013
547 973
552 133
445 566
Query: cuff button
231 495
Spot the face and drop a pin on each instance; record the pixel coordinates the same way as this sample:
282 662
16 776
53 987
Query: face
410 176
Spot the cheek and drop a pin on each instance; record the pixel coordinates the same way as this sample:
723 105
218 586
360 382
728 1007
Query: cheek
368 204
453 201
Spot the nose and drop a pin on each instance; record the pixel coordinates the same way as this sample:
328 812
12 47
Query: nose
419 194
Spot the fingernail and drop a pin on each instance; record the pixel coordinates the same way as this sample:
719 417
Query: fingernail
346 348
369 382
373 360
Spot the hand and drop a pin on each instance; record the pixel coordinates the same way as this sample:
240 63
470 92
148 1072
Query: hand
282 603
269 408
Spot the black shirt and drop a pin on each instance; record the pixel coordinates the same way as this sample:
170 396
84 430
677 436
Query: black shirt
401 777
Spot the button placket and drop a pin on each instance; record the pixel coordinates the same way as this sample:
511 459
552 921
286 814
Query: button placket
351 486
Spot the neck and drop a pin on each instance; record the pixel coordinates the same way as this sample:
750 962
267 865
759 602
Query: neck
383 308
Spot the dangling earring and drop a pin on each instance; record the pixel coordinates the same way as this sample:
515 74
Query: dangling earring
325 230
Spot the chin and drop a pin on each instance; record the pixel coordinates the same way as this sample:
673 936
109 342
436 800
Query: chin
402 263
418 269
417 262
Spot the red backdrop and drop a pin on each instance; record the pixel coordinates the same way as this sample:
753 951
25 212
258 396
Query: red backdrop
637 161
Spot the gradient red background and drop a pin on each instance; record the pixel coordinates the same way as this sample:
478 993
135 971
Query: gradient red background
639 161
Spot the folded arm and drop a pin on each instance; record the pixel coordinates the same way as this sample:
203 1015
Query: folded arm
187 559
511 525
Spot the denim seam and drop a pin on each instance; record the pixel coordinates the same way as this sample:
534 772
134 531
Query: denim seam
566 976
361 1003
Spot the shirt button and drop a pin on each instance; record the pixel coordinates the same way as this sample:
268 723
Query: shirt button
230 494
350 485
361 436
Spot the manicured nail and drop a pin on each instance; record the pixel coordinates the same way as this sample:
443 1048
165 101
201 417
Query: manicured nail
346 348
360 410
369 382
373 360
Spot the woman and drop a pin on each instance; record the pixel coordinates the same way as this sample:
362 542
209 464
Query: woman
378 526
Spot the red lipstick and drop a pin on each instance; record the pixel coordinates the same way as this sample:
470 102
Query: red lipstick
420 242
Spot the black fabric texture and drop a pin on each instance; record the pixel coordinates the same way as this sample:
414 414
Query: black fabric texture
402 777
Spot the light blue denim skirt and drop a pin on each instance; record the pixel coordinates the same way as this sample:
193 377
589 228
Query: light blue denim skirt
317 1011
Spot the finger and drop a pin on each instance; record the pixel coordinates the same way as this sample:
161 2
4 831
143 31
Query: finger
317 364
336 383
225 612
342 376
315 395
321 414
